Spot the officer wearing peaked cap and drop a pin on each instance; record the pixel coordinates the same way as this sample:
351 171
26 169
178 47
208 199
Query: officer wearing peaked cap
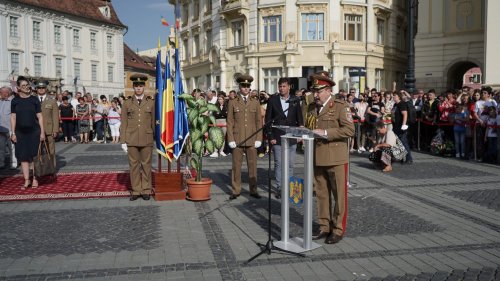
334 122
50 114
136 133
244 118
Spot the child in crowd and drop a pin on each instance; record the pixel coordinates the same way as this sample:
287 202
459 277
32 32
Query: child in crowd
459 119
490 138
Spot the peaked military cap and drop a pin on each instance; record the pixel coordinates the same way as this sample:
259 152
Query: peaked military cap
138 79
41 84
244 80
321 80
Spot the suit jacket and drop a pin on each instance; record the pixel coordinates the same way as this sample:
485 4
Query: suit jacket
243 120
430 112
138 122
274 110
50 115
336 119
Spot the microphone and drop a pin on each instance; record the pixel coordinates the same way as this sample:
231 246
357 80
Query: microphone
295 99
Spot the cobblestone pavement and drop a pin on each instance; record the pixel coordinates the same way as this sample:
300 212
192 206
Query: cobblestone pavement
437 219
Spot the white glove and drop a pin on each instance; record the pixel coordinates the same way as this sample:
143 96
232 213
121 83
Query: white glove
404 127
258 144
124 147
232 144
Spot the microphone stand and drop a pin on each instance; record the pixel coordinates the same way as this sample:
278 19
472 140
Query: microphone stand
268 247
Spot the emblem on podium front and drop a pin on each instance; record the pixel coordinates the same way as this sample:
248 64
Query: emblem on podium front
296 190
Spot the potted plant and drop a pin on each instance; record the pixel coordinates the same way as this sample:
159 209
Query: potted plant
204 135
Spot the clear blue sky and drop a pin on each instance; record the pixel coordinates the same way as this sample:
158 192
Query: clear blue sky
143 19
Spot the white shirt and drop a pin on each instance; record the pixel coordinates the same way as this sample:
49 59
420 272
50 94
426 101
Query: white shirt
43 97
326 102
389 138
284 104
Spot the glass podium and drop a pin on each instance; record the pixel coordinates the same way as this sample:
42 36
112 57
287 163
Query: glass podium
297 244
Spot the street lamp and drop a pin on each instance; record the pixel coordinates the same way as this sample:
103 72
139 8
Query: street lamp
410 74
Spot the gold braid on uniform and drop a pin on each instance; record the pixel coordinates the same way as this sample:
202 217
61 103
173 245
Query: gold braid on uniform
310 121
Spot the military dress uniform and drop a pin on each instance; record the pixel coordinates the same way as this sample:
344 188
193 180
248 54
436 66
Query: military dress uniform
136 131
331 163
244 118
50 115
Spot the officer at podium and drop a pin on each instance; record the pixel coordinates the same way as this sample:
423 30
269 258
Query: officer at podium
334 122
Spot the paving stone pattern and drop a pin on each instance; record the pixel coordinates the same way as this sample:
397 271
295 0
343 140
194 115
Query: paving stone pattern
486 197
395 231
56 232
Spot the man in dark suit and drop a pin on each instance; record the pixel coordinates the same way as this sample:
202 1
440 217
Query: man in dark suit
284 113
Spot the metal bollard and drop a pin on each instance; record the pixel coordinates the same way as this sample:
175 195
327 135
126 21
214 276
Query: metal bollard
418 133
475 142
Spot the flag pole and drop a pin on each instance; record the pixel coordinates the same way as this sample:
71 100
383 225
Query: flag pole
157 93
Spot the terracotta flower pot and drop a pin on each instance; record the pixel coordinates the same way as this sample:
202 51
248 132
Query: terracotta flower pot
199 191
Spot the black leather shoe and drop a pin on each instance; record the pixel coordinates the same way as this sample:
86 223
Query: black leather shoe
255 195
233 196
320 235
146 197
333 238
134 197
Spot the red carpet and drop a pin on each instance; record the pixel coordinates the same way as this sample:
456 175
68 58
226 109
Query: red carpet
68 186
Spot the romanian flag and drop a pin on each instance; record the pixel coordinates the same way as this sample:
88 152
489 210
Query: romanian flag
164 21
160 85
181 127
167 122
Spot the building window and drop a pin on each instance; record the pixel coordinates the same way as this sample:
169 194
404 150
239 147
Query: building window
209 81
209 6
36 31
379 79
196 45
380 31
37 63
312 27
14 63
185 47
93 40
76 37
272 29
475 78
94 72
14 27
208 41
353 28
196 10
109 43
111 70
76 69
57 34
237 33
271 77
184 14
59 67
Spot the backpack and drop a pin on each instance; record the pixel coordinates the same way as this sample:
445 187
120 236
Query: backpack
412 112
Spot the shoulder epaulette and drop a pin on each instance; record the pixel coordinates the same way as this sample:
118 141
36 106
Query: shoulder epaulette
129 97
150 98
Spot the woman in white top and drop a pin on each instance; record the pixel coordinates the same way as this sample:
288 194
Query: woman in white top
361 107
382 151
114 121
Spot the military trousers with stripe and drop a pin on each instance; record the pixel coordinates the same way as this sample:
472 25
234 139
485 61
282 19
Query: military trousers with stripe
330 182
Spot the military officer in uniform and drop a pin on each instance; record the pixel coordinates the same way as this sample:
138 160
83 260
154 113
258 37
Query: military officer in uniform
50 113
243 119
136 134
334 122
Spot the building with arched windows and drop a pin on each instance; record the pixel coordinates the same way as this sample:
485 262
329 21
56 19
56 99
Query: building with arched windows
360 42
455 37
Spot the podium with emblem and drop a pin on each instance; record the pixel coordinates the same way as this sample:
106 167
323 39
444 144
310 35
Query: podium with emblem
297 244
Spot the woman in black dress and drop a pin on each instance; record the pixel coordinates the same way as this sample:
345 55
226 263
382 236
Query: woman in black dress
27 124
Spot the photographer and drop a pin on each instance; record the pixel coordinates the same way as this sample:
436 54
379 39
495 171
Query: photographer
263 99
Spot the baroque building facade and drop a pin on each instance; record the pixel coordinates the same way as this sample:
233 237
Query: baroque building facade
77 43
453 37
362 43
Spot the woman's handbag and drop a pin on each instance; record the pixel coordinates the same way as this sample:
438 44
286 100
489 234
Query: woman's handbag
43 164
398 151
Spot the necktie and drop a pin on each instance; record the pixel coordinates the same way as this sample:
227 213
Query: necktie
318 109
245 99
139 100
41 99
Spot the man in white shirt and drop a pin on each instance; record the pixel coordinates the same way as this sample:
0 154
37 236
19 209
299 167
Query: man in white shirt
5 130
